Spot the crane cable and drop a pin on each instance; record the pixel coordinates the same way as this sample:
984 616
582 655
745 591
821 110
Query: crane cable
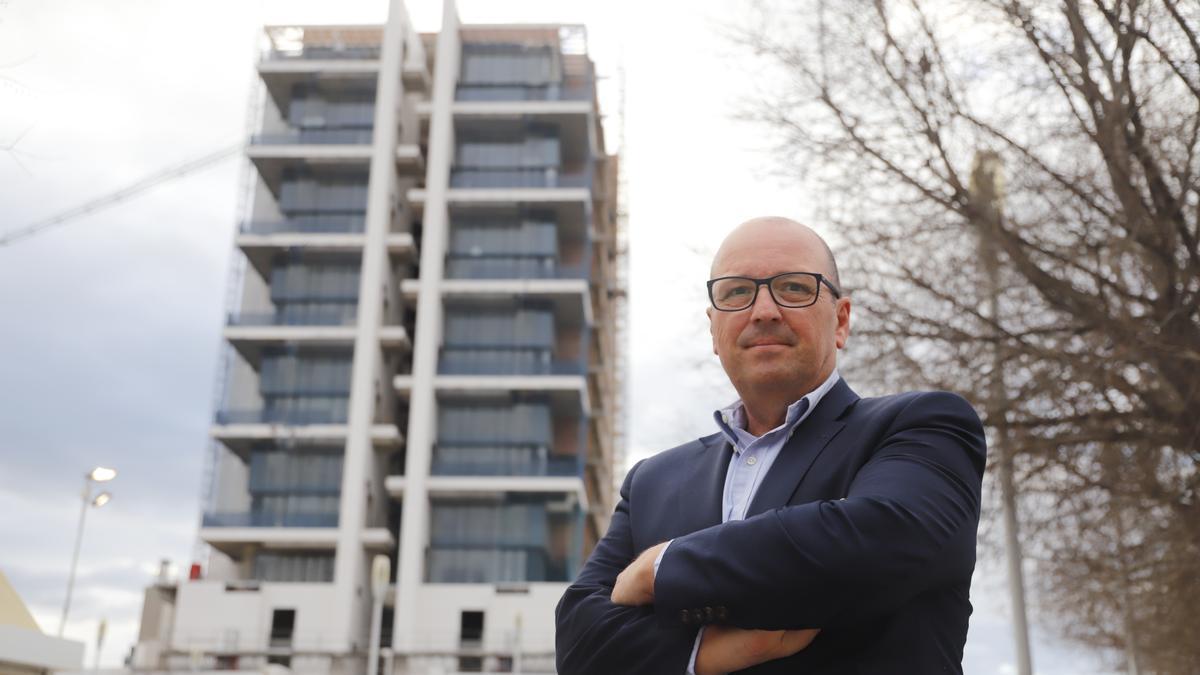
170 173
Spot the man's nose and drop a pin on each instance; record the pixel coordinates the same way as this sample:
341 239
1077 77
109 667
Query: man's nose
764 307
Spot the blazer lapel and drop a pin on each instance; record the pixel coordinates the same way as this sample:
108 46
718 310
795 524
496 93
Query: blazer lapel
701 494
799 453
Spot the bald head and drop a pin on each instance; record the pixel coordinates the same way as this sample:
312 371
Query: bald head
771 232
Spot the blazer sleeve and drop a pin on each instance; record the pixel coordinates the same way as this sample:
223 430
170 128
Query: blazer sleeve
907 524
595 636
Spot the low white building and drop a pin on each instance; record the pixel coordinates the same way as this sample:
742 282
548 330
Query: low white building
24 648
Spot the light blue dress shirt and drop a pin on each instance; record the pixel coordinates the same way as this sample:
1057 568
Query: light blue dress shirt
752 459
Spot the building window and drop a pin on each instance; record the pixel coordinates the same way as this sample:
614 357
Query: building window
470 639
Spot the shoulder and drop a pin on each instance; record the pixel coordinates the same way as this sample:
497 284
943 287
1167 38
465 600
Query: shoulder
668 462
915 403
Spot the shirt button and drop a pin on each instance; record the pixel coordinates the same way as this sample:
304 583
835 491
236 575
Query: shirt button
752 461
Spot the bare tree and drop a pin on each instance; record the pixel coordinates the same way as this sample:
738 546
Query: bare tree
1091 330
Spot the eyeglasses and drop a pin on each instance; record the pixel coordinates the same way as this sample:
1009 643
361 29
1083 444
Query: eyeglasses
790 289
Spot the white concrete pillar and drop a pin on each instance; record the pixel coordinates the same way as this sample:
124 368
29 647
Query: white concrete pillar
367 376
422 411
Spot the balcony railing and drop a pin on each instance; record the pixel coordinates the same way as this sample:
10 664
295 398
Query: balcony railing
524 92
309 224
324 52
518 177
482 563
470 266
501 458
314 137
276 416
260 519
328 317
505 360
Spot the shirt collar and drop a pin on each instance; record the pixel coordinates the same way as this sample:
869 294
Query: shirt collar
732 418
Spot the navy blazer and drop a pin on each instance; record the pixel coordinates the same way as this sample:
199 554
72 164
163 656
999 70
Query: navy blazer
864 527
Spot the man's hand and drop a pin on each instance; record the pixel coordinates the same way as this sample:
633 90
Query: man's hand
635 586
724 649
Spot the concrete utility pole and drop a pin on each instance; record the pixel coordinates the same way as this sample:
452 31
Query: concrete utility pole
987 198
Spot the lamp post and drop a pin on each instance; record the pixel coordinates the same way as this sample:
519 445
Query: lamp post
381 572
99 474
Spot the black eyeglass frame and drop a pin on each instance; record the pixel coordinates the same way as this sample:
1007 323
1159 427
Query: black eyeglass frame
758 283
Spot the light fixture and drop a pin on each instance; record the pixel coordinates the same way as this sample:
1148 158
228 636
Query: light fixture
102 474
101 499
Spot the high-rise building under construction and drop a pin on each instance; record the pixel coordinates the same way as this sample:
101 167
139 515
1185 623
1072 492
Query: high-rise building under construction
423 357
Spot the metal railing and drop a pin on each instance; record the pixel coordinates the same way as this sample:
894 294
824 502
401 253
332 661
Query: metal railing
518 177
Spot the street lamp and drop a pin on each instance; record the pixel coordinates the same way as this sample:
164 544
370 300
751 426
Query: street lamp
99 474
381 573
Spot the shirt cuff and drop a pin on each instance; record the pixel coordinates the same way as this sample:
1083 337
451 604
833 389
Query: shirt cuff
695 652
658 560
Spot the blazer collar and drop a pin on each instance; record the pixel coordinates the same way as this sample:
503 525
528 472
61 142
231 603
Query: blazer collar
798 454
701 495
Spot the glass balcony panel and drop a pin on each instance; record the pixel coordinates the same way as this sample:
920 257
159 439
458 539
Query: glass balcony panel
294 472
348 223
266 519
514 423
305 566
516 540
485 564
315 108
300 314
315 136
518 177
325 52
306 410
505 360
501 460
524 92
504 238
527 327
298 281
303 192
298 376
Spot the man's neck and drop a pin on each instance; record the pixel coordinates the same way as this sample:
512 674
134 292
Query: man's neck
766 410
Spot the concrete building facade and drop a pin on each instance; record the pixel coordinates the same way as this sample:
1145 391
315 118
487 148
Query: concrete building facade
423 362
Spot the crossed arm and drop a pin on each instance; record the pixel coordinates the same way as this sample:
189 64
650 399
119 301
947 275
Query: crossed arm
599 636
908 521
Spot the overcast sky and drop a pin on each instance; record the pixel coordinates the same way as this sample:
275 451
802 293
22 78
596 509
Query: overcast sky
110 326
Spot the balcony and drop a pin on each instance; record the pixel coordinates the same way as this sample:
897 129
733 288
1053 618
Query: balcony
518 177
505 360
261 519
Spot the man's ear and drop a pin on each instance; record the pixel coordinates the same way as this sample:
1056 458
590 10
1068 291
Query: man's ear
842 317
711 329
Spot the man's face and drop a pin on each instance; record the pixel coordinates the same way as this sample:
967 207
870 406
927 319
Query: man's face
770 348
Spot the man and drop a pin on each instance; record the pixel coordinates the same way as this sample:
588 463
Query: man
816 532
